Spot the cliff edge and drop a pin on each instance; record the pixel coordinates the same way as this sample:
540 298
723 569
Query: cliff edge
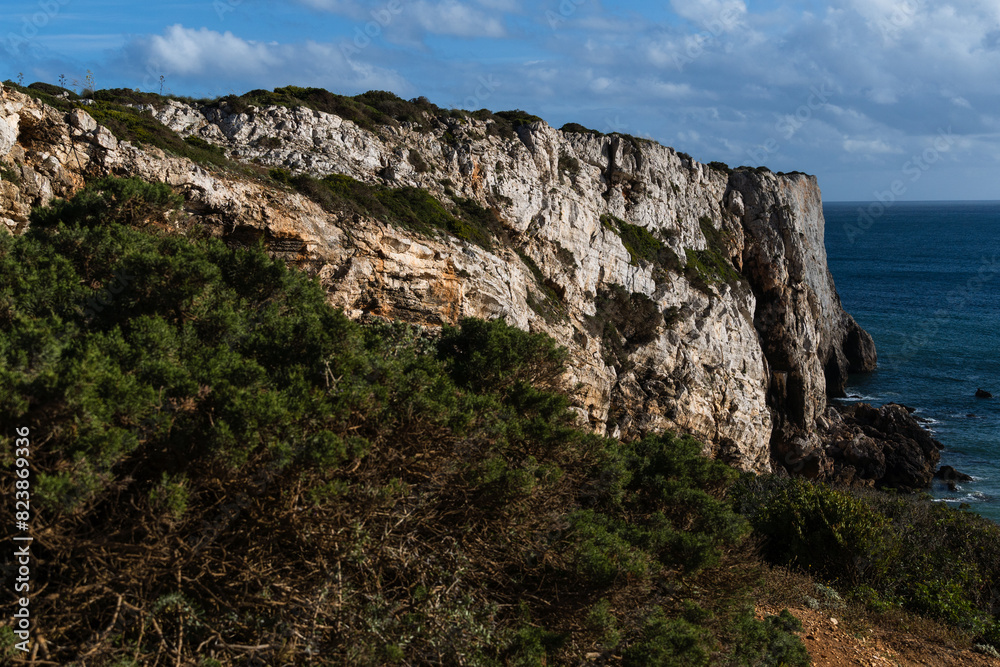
691 297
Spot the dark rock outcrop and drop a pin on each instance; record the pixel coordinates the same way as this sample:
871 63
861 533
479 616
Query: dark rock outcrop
881 447
949 474
982 393
951 477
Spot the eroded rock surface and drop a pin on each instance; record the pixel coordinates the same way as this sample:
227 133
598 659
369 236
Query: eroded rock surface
743 361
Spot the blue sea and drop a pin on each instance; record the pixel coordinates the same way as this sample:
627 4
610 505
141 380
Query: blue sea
923 278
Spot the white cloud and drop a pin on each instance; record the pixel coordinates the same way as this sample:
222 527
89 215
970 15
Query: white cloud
212 57
186 51
436 17
870 147
714 15
454 18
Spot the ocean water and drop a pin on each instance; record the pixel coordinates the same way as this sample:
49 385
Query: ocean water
924 280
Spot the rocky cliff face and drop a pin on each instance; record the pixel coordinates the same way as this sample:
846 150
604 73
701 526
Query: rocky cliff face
689 298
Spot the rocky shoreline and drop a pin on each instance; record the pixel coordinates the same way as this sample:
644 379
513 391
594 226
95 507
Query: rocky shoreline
880 447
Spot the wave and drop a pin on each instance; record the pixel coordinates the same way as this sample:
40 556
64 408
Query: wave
861 398
973 497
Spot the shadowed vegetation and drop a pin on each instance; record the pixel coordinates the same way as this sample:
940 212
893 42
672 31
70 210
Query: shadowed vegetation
230 463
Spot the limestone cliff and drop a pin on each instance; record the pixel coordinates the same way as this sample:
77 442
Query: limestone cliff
725 323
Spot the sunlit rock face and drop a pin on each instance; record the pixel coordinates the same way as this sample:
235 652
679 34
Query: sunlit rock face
689 298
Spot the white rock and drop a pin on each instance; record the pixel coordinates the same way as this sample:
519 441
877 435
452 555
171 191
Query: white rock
82 120
105 139
8 135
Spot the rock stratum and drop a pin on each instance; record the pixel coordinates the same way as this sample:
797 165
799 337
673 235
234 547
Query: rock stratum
690 297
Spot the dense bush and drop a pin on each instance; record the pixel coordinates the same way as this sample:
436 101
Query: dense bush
169 378
769 642
887 550
579 129
641 245
125 201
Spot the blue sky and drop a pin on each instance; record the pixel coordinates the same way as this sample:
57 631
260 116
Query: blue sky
878 98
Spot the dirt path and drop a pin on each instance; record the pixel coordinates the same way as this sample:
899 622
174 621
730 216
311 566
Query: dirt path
830 645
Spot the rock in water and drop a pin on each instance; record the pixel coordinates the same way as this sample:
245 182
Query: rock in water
949 474
982 393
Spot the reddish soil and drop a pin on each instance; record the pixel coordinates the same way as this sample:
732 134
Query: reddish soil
830 644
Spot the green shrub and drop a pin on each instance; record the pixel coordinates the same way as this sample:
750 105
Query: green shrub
8 641
50 89
518 118
602 551
569 163
110 200
769 643
669 643
531 647
887 550
818 528
201 144
494 356
601 619
641 245
418 162
282 176
721 166
408 207
710 266
580 129
10 174
657 504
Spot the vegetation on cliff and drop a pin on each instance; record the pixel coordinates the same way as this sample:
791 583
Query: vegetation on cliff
228 470
226 462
